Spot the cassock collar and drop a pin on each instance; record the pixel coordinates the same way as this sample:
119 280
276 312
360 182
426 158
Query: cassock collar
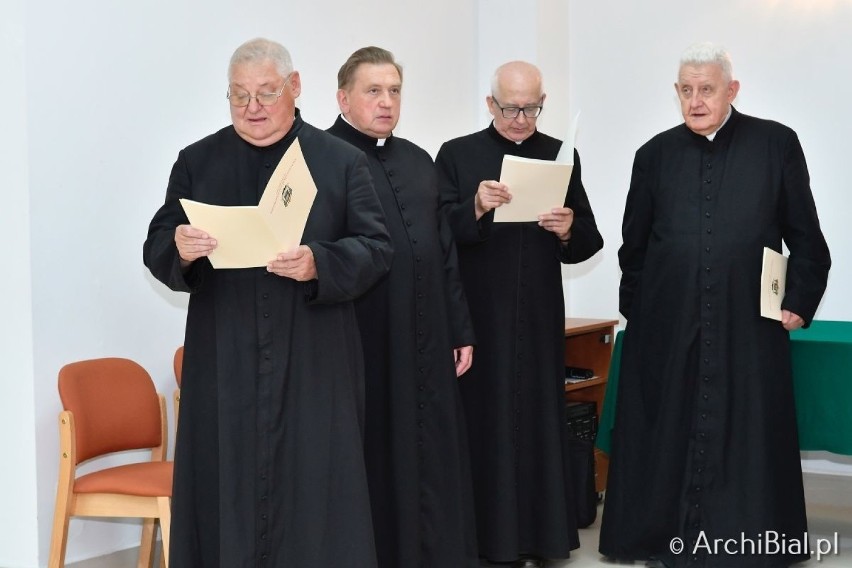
723 135
362 141
500 139
284 142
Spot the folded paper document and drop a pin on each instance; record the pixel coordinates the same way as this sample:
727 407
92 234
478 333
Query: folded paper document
773 278
253 235
537 186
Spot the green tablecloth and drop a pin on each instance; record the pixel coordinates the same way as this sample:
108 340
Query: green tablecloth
822 380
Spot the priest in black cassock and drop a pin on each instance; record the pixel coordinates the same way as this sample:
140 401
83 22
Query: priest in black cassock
514 393
704 447
269 466
417 336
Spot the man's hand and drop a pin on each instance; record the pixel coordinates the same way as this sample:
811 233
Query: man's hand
463 357
490 195
558 221
192 244
791 321
297 264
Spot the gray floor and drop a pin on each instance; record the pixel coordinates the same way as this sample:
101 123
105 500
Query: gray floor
829 501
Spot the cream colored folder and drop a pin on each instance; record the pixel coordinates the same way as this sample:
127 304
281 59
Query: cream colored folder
773 278
253 235
537 186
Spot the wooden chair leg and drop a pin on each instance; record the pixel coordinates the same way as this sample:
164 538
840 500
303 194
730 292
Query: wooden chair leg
59 539
165 507
149 539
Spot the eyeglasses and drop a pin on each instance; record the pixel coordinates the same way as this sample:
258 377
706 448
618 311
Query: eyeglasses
530 111
264 99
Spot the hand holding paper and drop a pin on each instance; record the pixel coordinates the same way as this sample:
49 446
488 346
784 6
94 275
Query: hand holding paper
193 244
773 277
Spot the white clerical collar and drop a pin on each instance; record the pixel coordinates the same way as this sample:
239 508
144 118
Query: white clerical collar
710 137
379 141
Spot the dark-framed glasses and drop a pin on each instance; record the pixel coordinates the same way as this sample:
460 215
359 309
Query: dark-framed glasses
530 111
243 99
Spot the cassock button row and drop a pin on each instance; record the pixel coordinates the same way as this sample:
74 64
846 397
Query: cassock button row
707 305
708 180
265 296
396 189
402 206
709 231
705 396
408 223
266 314
707 214
704 416
706 342
706 249
707 197
421 406
706 379
422 388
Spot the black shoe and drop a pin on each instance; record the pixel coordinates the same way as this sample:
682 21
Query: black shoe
529 563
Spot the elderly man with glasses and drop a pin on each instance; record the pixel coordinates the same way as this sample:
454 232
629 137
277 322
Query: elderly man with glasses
269 463
514 392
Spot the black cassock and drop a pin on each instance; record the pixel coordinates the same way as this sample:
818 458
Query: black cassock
705 445
269 467
418 464
514 393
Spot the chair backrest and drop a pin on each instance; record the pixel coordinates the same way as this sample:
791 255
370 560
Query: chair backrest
178 364
115 406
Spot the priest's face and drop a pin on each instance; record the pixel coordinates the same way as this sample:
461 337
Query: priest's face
705 95
263 124
517 89
371 102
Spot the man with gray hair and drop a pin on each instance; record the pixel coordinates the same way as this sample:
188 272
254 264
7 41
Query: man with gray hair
269 465
705 442
514 393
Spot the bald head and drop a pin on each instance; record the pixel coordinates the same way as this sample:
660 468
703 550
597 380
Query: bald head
516 76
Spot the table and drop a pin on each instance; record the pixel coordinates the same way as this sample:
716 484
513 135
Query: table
822 383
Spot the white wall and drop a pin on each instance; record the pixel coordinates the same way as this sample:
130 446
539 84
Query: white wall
109 92
19 542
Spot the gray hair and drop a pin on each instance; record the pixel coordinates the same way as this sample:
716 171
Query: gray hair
259 50
708 53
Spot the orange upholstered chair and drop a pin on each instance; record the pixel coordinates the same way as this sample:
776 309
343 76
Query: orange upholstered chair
178 365
111 405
